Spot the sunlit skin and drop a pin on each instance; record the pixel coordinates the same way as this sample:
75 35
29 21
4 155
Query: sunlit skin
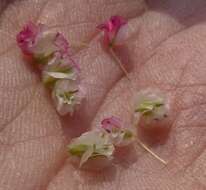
165 49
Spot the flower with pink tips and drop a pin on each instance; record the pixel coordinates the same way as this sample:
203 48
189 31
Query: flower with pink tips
28 37
112 30
120 134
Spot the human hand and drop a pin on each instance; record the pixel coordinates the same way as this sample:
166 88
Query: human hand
165 49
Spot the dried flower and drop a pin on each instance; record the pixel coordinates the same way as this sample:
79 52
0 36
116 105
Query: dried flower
152 105
67 95
120 134
112 30
28 37
59 68
90 145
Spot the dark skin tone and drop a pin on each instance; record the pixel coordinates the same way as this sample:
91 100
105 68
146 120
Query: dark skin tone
165 49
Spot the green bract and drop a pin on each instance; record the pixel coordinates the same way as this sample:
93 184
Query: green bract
91 144
148 108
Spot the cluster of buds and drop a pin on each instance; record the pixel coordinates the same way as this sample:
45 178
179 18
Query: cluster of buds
52 53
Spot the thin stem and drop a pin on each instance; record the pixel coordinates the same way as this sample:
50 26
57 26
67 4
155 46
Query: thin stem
119 63
152 153
79 44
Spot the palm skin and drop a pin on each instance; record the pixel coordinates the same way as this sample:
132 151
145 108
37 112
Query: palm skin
165 49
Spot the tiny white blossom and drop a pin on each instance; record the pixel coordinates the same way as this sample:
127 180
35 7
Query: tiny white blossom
90 145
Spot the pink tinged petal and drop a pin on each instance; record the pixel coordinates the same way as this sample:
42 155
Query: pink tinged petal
27 38
62 44
64 51
111 29
111 123
120 134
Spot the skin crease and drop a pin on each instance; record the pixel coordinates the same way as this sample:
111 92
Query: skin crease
165 49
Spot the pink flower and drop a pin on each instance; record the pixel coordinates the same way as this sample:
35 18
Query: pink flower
111 29
111 123
62 44
27 38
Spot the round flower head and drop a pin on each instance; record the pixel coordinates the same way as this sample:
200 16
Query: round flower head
67 95
120 134
91 144
152 105
112 30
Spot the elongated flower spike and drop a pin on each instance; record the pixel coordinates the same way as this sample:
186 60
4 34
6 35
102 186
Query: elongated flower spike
92 144
114 35
52 53
120 134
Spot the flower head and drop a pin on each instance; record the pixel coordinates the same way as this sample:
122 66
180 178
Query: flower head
111 29
151 104
60 68
90 145
67 95
120 134
28 37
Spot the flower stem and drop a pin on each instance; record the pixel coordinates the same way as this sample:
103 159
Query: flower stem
152 153
119 63
79 44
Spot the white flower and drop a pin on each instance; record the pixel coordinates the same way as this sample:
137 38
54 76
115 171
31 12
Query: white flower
67 95
151 104
91 144
58 68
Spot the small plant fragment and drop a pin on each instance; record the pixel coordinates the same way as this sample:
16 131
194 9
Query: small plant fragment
152 105
113 36
51 52
120 134
91 144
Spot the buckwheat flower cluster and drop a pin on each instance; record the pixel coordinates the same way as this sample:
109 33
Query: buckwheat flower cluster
92 144
51 52
101 142
151 105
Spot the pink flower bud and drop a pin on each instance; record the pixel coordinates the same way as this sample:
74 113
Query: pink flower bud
111 123
28 37
111 29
